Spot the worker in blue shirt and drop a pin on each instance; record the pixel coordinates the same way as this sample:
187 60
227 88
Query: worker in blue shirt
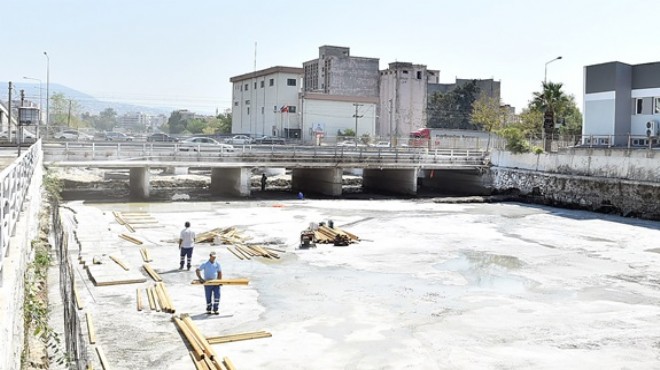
212 270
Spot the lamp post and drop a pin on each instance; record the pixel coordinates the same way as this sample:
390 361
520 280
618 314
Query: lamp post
545 76
40 100
47 92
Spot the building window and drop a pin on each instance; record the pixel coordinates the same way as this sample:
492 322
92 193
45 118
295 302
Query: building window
291 82
271 82
274 108
246 87
639 105
255 84
262 84
656 109
247 102
419 75
292 109
248 111
405 72
262 110
236 103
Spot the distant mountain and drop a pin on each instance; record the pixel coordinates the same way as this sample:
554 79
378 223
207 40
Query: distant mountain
87 102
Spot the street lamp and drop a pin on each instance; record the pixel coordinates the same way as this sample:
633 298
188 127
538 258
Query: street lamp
47 92
40 101
545 77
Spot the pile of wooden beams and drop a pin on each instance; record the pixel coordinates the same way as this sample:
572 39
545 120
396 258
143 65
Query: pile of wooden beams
203 356
154 275
229 235
326 235
242 251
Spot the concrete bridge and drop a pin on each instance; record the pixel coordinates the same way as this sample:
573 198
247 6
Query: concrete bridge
314 169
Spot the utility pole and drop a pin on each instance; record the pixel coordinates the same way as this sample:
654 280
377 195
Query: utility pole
19 131
9 114
356 105
68 121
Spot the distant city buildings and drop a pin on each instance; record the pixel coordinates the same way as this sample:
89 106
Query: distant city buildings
339 92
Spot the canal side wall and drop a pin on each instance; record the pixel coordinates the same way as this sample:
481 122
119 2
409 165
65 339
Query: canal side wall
619 181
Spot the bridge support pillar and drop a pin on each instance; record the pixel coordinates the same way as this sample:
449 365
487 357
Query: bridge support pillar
139 183
325 181
230 181
402 181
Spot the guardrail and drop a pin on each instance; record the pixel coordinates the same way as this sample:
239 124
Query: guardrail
259 154
14 183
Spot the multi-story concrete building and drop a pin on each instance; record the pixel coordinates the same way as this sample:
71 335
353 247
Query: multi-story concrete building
339 92
621 104
132 120
489 87
265 102
403 98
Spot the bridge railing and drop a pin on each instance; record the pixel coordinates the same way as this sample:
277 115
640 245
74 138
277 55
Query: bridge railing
14 183
259 153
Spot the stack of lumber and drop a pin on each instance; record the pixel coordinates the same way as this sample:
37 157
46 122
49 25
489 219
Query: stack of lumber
326 235
242 251
162 298
229 235
134 220
203 356
146 257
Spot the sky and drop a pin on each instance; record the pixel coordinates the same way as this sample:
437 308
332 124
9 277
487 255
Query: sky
182 53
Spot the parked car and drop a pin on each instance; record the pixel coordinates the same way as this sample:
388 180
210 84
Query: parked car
270 140
381 144
204 144
349 143
239 140
118 136
27 136
72 135
161 138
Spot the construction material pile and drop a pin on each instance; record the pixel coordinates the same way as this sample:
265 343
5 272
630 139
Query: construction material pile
229 235
326 235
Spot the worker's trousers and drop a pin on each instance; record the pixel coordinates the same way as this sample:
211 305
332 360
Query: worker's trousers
212 297
185 253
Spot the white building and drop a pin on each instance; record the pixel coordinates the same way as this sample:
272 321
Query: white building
265 102
403 98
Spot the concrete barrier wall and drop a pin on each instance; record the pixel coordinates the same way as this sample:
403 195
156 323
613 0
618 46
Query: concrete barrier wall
620 181
19 254
630 164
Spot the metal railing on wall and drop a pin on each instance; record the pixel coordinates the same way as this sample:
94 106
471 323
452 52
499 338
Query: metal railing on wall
14 183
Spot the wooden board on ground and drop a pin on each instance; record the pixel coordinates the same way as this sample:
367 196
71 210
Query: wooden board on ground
112 274
236 337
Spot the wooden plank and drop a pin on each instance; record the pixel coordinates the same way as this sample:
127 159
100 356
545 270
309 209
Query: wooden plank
131 239
90 328
208 351
138 299
244 252
146 253
239 281
235 253
154 275
119 262
119 282
228 363
118 217
104 361
199 365
152 301
238 337
77 297
96 260
192 340
275 249
161 299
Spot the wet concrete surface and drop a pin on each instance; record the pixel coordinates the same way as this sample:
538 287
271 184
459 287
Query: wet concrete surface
432 286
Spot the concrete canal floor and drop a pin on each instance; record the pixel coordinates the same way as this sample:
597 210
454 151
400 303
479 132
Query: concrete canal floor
431 286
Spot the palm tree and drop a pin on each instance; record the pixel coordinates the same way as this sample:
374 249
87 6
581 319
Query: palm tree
551 101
